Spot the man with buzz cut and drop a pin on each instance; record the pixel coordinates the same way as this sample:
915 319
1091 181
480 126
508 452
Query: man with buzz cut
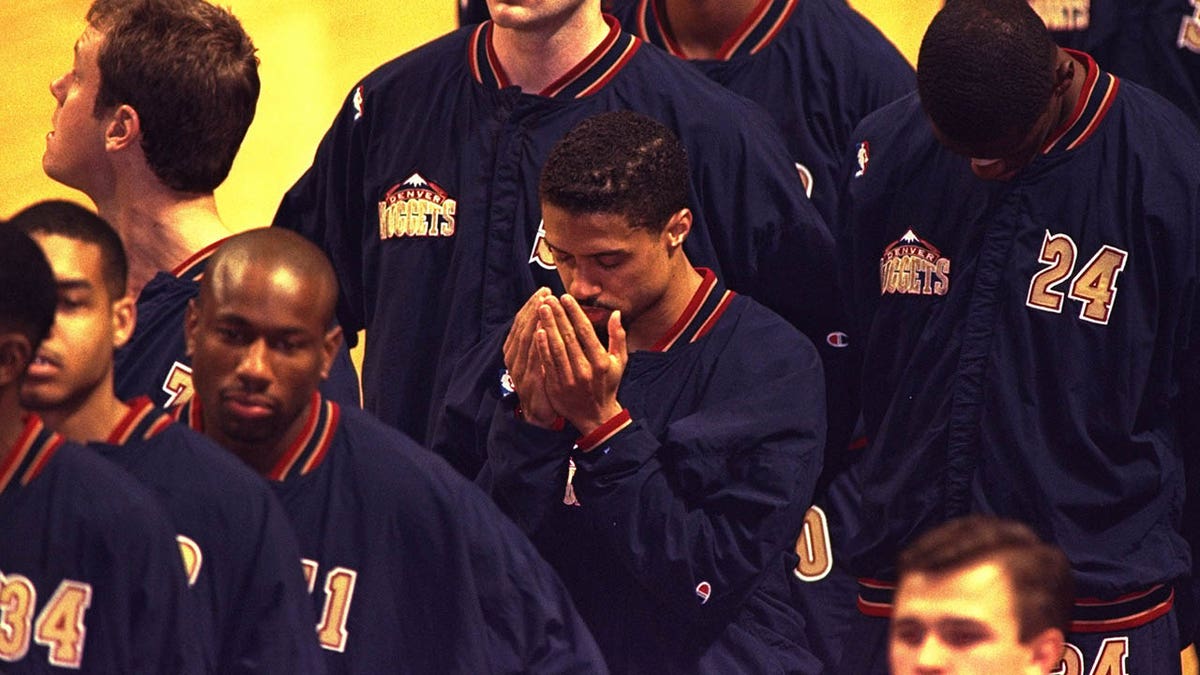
240 555
412 567
656 434
90 575
147 123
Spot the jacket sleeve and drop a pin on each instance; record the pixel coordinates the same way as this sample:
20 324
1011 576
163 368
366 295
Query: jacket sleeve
699 534
327 206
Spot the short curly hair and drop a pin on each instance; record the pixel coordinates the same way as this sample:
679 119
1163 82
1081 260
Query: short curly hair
622 163
985 69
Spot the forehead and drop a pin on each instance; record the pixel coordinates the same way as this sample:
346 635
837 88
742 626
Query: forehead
587 233
271 297
71 258
981 592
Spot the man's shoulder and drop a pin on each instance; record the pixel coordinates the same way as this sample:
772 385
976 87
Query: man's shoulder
190 458
755 326
429 61
97 492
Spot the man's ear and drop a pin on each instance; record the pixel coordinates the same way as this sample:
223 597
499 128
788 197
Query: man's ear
1066 69
124 317
15 354
124 129
191 321
1046 649
331 343
678 228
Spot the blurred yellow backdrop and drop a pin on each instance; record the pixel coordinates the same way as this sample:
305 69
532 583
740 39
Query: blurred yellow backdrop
311 52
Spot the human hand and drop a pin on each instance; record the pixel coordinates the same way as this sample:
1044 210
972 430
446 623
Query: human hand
525 365
581 374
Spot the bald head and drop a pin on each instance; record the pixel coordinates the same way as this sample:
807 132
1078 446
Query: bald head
262 338
286 257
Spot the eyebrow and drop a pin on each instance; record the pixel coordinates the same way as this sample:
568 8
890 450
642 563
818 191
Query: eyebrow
73 284
597 254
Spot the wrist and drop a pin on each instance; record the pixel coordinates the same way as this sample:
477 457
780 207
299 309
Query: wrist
598 434
555 423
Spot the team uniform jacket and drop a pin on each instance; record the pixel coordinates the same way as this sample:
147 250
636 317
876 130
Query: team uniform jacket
427 203
817 66
412 569
1155 43
241 556
155 362
1027 342
680 550
90 573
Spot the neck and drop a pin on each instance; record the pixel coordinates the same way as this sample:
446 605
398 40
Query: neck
701 27
649 328
1074 90
11 422
535 57
261 456
160 227
92 418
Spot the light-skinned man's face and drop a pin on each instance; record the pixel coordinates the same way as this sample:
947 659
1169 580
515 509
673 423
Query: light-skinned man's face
964 623
606 265
75 150
75 360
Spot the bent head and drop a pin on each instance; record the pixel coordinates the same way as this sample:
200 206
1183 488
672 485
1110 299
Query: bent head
987 80
614 195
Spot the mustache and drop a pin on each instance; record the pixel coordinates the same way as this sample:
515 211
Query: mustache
593 302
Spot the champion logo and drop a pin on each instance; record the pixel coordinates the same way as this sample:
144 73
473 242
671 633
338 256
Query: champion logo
703 591
837 339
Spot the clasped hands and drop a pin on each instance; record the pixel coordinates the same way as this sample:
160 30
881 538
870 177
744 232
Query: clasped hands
558 366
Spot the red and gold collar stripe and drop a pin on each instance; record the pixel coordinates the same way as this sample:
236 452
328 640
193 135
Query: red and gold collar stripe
586 78
703 311
143 421
757 30
30 454
193 268
1095 99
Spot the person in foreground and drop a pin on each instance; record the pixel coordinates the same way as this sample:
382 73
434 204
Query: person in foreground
239 553
695 433
1022 245
90 575
981 595
412 567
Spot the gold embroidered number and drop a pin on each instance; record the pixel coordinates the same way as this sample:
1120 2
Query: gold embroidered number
17 600
1095 286
60 625
1110 660
816 556
339 592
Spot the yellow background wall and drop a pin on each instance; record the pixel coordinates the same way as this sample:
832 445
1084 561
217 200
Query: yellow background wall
312 53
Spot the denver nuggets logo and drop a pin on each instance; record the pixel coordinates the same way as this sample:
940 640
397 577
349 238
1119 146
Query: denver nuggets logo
864 158
1063 15
540 254
913 266
1189 29
178 385
416 208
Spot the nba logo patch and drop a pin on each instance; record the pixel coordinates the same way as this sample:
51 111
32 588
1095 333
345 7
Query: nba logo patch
506 384
864 158
703 591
